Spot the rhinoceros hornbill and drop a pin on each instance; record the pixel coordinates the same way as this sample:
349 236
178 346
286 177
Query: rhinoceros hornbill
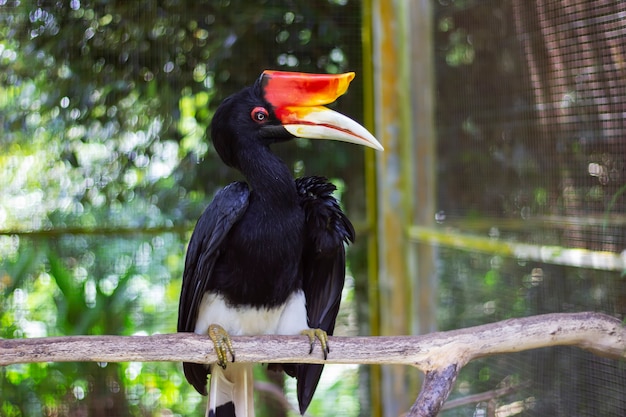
267 256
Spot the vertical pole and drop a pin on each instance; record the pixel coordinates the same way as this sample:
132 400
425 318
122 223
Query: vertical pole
404 119
424 153
371 207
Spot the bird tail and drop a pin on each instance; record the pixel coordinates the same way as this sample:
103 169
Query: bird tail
231 391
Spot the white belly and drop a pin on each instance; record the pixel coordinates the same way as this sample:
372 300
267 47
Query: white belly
288 319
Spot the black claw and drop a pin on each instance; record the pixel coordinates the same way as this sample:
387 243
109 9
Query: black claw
317 334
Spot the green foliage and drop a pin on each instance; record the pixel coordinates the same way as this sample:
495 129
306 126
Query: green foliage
112 97
86 285
105 165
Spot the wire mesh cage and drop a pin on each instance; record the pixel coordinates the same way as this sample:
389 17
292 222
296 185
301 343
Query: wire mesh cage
531 149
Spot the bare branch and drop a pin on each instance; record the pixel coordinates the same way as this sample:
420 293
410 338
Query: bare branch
440 355
485 396
437 386
595 332
275 392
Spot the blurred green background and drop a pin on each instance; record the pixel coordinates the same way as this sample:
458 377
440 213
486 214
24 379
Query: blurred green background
105 167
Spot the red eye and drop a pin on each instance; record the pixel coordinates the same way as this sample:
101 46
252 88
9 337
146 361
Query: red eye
259 114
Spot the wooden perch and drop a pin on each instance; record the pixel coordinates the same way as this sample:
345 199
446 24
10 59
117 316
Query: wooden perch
440 355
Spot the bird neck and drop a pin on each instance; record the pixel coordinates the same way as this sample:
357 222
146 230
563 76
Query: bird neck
268 176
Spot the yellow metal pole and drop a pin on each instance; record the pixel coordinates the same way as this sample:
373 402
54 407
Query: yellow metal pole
371 196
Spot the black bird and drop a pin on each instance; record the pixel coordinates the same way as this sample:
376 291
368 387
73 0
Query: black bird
267 256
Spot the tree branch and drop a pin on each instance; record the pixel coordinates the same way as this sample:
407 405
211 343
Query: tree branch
484 396
438 384
440 355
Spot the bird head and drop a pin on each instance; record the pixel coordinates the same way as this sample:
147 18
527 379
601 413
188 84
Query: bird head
282 106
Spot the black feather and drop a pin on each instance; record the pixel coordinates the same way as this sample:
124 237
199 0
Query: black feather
327 229
258 243
202 253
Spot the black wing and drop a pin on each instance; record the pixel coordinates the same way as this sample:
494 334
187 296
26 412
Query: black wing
204 248
324 266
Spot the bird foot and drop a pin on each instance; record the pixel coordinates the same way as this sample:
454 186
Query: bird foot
222 343
320 335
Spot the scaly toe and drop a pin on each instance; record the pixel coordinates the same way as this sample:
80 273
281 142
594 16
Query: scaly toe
222 343
320 335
